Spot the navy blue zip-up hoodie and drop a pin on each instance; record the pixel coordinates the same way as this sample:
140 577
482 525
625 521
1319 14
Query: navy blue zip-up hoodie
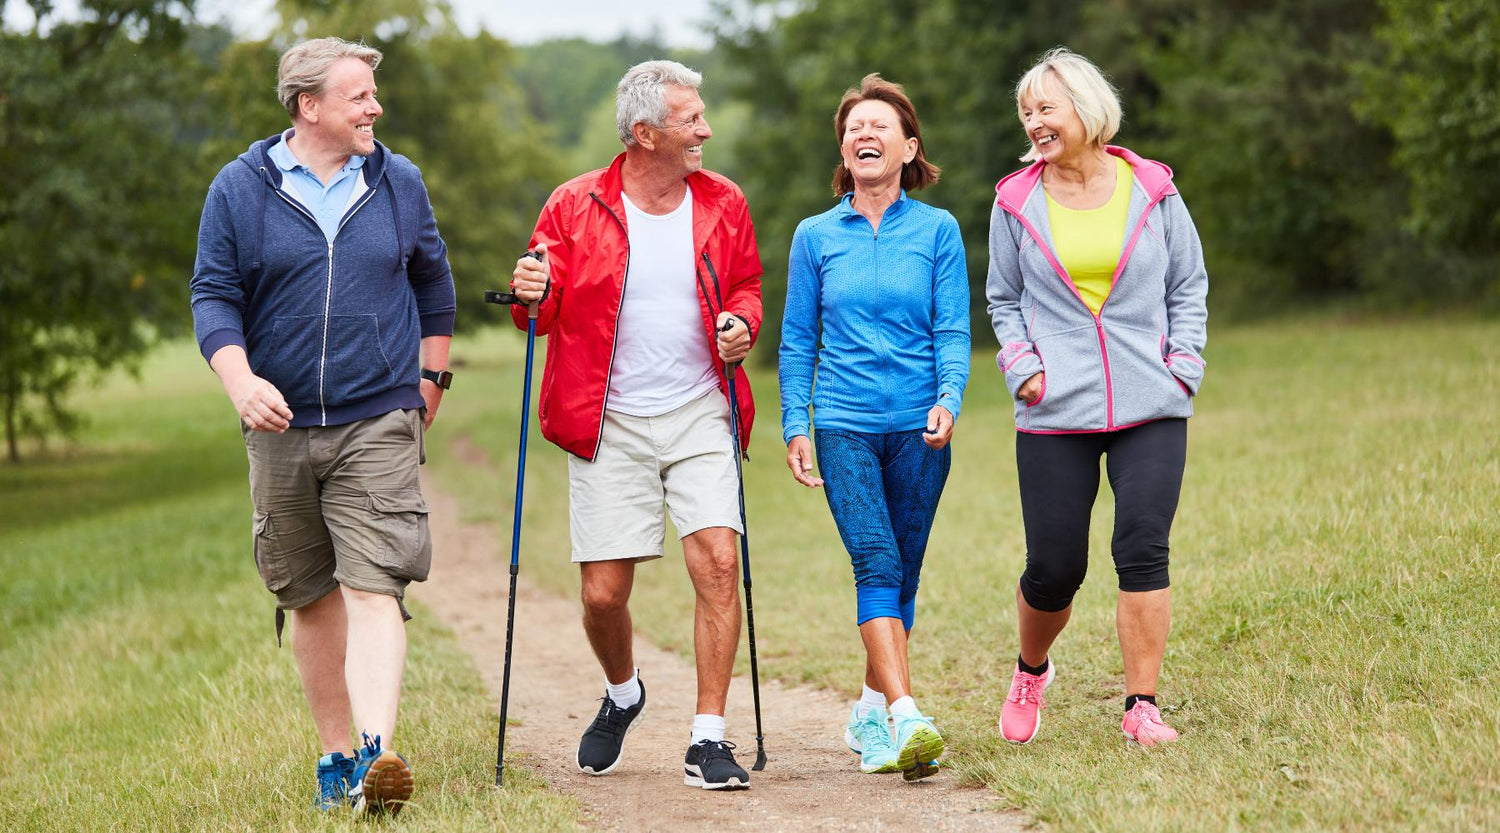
336 327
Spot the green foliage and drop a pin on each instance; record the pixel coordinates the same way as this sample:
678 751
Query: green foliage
1436 87
96 216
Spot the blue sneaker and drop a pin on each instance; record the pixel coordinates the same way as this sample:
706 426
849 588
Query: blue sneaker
382 780
920 746
877 749
335 776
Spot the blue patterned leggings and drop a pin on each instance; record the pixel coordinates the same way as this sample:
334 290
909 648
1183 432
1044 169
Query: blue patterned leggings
883 490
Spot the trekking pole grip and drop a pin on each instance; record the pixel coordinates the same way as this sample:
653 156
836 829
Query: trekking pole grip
492 296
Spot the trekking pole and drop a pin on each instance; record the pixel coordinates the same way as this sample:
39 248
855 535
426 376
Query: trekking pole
734 428
493 297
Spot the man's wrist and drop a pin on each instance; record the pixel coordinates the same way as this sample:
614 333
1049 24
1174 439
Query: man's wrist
441 378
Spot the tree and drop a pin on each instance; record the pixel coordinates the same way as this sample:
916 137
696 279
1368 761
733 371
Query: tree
96 216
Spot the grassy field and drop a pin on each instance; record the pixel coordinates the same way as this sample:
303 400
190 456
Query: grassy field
140 684
1336 568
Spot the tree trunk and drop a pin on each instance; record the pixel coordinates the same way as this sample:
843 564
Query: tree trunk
10 428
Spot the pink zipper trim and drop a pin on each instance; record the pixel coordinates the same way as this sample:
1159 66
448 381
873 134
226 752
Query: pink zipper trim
1193 359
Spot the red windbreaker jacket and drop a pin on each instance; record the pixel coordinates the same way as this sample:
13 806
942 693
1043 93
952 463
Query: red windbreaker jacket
583 227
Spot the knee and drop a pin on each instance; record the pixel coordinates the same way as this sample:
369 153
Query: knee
1143 568
717 576
604 599
1049 584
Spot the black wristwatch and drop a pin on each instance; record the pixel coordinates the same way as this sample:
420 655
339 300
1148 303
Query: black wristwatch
441 378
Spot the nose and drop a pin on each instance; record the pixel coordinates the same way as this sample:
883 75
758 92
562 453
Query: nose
704 131
375 108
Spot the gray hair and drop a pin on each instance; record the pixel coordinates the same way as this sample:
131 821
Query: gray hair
1093 97
642 94
304 67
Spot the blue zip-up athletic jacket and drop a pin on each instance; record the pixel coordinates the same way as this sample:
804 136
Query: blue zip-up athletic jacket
336 327
894 314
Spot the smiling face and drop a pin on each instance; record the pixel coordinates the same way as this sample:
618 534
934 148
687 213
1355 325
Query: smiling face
343 117
1052 123
679 141
874 146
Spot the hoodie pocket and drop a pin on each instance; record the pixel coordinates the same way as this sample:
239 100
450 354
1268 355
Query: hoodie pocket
357 366
289 360
1073 393
1144 386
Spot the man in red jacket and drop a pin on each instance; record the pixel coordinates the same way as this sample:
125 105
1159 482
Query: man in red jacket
649 284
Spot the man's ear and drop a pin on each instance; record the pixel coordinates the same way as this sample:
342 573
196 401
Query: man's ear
645 135
307 106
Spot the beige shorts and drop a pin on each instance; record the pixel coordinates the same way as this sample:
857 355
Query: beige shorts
682 458
339 505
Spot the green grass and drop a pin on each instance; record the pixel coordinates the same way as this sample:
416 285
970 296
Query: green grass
1336 571
140 683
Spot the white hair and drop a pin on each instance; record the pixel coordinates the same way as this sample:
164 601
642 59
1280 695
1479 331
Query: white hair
304 68
642 94
1093 97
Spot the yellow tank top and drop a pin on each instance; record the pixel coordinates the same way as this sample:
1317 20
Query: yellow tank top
1089 242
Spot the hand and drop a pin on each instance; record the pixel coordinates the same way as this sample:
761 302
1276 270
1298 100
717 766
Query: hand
260 405
1031 389
939 427
799 458
531 276
734 342
433 396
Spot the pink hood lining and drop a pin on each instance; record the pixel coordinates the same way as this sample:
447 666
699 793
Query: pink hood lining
1155 178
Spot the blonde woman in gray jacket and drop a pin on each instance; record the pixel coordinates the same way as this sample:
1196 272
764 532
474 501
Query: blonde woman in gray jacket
1097 292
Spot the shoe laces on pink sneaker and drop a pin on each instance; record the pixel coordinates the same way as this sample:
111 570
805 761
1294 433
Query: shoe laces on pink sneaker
1021 716
1143 724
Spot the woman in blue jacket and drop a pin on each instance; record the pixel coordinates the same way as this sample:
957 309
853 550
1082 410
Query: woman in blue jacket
875 339
1097 292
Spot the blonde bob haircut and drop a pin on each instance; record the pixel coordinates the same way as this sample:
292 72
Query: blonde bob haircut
304 68
1094 98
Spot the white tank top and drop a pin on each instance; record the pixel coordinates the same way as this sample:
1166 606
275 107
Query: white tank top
662 359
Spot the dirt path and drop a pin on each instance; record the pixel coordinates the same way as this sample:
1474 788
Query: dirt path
810 783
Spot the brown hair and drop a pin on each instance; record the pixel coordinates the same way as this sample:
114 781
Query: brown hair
916 174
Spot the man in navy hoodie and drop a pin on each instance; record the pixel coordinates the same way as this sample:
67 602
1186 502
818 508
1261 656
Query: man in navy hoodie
323 300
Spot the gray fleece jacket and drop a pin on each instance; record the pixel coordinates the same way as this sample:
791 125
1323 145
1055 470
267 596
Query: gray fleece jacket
1141 358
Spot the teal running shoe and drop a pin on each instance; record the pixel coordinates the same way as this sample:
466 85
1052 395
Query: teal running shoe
920 745
335 776
877 752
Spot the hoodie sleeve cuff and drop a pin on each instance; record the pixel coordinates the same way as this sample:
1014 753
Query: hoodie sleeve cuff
219 339
437 324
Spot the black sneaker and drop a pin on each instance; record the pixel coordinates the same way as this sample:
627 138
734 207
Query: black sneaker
599 751
711 765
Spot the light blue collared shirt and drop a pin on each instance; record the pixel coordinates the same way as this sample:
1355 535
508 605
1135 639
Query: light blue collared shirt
327 203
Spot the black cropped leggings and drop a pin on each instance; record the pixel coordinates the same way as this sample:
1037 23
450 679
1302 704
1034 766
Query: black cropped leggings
1059 476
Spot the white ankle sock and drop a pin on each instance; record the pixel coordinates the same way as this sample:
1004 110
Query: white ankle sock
708 727
871 699
905 707
625 694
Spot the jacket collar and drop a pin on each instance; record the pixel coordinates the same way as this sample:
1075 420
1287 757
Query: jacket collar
710 194
258 157
846 210
1153 176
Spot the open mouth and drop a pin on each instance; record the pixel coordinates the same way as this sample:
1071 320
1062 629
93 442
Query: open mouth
1046 140
867 153
365 128
696 149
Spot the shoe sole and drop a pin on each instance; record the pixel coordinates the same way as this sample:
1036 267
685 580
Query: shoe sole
893 766
1131 741
386 787
630 727
693 779
924 745
1035 730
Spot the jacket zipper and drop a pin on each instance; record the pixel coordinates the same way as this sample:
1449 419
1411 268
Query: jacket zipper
328 289
614 340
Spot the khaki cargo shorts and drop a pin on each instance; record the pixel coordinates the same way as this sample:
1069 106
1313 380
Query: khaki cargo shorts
682 458
339 505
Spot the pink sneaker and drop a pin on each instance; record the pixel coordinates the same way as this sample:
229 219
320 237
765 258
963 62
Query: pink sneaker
1143 725
1021 717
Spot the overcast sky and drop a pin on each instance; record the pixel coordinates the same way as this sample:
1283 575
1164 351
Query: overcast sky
679 22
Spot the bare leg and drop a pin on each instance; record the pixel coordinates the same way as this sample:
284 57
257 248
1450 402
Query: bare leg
713 566
375 660
1039 628
606 615
1143 620
885 657
319 633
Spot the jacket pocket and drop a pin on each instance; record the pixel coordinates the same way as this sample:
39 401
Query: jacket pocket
1144 387
1073 389
357 366
289 358
403 545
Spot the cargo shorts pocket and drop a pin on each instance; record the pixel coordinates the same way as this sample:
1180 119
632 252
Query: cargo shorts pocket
404 546
270 561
